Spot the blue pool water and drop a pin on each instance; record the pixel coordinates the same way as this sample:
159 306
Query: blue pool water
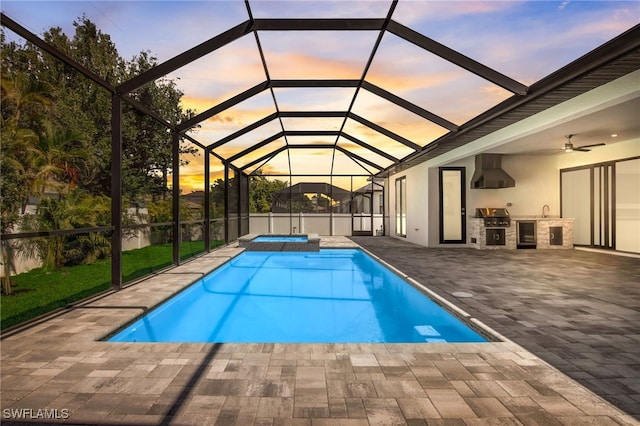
280 239
330 296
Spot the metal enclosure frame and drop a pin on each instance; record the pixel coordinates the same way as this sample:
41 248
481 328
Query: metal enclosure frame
625 45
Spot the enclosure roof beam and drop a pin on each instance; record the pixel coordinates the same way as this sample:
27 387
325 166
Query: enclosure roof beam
244 130
255 146
222 106
312 133
195 142
61 56
264 157
385 132
403 103
312 114
304 83
370 147
321 83
321 146
309 133
241 30
357 157
32 38
318 24
186 57
457 58
311 146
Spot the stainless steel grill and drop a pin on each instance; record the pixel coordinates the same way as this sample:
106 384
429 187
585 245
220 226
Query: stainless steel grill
494 217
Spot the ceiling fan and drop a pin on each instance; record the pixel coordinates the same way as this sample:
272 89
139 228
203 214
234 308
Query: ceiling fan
568 145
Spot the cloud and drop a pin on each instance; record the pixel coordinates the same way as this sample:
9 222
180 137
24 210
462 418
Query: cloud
314 99
524 40
231 119
411 13
293 65
396 119
167 28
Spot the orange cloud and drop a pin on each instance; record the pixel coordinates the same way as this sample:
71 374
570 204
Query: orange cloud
301 66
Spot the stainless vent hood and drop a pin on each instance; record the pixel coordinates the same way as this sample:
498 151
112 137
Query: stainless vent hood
489 173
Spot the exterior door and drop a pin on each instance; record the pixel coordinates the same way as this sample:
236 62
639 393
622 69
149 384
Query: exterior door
587 195
453 216
361 218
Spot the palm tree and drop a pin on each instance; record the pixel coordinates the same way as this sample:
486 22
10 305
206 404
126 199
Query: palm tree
77 209
60 157
24 102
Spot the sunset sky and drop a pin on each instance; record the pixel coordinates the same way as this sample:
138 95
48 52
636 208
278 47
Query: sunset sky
524 40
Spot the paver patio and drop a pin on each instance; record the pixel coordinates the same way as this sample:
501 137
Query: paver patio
61 365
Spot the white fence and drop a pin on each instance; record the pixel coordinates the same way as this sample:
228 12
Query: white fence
259 223
314 223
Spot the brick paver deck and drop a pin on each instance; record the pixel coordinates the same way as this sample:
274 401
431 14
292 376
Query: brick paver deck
61 365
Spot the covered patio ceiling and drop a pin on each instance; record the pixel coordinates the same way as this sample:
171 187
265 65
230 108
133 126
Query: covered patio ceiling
356 88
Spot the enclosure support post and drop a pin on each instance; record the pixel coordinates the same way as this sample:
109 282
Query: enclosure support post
331 224
175 187
207 202
371 202
238 196
226 203
116 192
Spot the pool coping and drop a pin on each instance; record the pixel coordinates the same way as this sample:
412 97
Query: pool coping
311 244
38 367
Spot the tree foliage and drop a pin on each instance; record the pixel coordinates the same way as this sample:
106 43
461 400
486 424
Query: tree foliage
78 209
147 152
56 139
261 192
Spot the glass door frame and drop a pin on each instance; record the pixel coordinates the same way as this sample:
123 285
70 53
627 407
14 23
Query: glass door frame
401 206
463 205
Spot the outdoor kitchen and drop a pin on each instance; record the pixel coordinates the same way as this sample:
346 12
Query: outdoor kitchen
494 228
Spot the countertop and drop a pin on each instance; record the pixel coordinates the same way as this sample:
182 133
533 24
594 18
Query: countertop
540 218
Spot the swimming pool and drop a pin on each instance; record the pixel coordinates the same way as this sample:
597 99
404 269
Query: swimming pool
329 296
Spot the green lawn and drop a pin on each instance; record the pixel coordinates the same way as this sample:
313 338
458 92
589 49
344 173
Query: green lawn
39 291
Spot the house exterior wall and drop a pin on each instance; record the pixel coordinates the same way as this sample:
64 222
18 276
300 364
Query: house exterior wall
537 176
537 184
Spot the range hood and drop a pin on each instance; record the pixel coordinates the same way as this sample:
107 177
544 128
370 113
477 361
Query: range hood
489 174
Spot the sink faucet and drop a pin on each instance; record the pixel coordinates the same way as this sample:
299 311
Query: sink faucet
543 211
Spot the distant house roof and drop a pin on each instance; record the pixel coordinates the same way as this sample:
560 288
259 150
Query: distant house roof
329 190
194 194
369 187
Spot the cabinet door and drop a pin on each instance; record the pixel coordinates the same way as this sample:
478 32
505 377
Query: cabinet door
555 235
496 237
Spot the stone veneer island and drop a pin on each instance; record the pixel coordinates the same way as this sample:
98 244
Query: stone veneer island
548 232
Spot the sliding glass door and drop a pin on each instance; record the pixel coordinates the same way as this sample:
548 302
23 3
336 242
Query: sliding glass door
604 200
576 203
627 196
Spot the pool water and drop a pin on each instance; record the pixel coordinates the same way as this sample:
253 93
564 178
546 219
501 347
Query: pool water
280 239
330 296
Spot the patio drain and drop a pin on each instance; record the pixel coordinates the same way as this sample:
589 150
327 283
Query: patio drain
461 294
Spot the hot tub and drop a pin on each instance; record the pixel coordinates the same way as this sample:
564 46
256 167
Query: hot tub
280 242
